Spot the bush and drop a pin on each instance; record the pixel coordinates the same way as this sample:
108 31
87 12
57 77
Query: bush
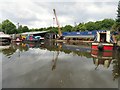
118 37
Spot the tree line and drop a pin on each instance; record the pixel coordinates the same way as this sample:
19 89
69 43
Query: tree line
8 27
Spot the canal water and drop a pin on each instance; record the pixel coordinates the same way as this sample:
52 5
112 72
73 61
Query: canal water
58 65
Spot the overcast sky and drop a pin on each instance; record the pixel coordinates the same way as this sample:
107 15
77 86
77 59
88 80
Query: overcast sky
37 14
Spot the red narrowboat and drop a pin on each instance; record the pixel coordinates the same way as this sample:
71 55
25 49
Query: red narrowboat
103 41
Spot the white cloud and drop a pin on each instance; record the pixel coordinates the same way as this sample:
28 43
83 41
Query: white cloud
35 14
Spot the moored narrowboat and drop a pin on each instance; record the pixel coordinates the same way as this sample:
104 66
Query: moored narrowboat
31 38
5 38
104 41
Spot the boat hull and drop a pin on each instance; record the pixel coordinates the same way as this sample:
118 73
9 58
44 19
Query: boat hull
105 54
102 46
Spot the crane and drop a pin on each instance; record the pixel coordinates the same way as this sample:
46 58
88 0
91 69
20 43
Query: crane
59 30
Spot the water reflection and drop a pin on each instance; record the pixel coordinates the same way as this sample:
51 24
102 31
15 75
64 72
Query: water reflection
82 50
10 49
56 57
102 58
116 65
99 58
107 58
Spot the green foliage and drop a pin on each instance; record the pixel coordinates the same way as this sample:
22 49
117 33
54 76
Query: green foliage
25 29
98 25
116 26
116 65
20 29
37 29
54 29
67 28
8 27
81 27
90 26
9 52
118 37
49 28
118 13
0 27
106 24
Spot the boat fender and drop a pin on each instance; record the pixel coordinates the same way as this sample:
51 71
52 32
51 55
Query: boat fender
100 46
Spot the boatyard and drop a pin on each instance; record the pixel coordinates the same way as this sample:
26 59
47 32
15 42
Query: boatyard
36 54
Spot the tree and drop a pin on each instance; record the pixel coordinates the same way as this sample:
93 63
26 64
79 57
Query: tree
42 29
8 27
20 29
0 27
107 24
25 29
98 25
54 29
67 28
81 27
118 18
90 26
118 13
116 26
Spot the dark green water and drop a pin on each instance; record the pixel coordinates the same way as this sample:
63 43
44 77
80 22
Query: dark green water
53 65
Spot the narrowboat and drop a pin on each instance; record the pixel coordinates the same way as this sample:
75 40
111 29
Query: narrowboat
32 38
5 38
85 35
103 41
